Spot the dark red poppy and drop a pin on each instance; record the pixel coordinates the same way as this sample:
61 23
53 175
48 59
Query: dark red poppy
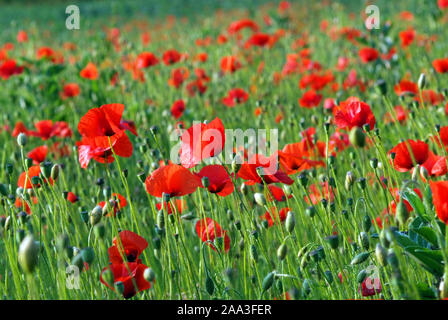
178 76
310 99
268 169
9 68
103 129
353 113
368 55
38 154
275 216
218 178
235 96
173 180
209 230
178 108
145 60
171 57
121 274
196 86
230 64
403 160
89 72
130 246
440 65
202 141
439 191
45 53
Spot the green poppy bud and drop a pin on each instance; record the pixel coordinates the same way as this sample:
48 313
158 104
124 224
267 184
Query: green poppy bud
55 171
310 211
333 241
360 258
149 275
87 255
260 199
402 213
267 281
254 252
290 222
209 285
95 215
357 137
281 251
381 254
362 275
364 240
28 254
421 81
21 139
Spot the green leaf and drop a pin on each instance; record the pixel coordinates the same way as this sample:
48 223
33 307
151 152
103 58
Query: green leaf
416 203
428 234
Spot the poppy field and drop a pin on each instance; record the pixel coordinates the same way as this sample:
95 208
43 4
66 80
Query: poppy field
249 150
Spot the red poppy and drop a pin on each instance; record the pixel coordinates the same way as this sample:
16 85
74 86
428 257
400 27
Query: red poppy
45 53
353 113
368 55
178 108
443 4
171 57
202 141
317 193
258 39
173 180
26 182
235 96
403 160
275 216
178 76
23 205
370 287
230 64
310 99
72 197
70 90
236 26
89 72
277 193
218 178
22 36
38 154
440 65
131 246
119 202
121 274
439 191
9 68
196 86
407 37
406 87
102 129
401 114
179 206
209 230
145 60
267 167
430 97
435 165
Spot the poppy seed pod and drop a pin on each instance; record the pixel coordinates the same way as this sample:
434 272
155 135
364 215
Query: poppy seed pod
333 241
421 81
363 239
357 137
260 199
28 254
21 139
281 251
87 255
149 275
349 180
360 258
55 172
254 252
290 221
381 254
95 215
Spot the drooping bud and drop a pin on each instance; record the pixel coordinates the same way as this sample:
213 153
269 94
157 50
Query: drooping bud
268 281
360 258
290 222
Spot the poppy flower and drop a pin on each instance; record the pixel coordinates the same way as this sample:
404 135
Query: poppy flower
258 39
236 26
310 99
443 4
277 193
70 90
209 230
23 205
178 76
202 141
9 68
260 168
22 36
230 64
26 182
439 191
171 57
403 161
370 287
121 274
235 96
179 206
400 113
430 97
89 72
353 113
317 193
218 178
406 87
196 86
407 37
275 216
38 154
435 165
131 246
72 197
173 180
102 129
45 53
440 65
368 55
119 202
178 108
145 60
46 129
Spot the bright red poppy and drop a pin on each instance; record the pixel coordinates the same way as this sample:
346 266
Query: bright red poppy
440 65
230 64
202 141
406 87
276 216
179 206
119 202
353 113
209 230
403 161
368 55
9 68
407 37
277 193
178 108
439 191
89 72
70 90
145 60
22 36
319 192
236 26
443 4
310 99
72 197
38 154
218 178
235 96
130 246
26 182
260 168
171 57
173 180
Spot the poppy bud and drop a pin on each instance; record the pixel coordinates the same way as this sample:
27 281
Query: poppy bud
382 86
149 275
166 197
21 139
7 224
9 168
99 230
243 189
95 215
310 211
99 181
366 223
267 281
281 251
374 163
160 219
237 224
260 199
290 222
381 254
361 276
265 224
364 240
28 254
55 172
87 255
125 172
333 241
421 81
360 258
327 126
205 182
402 213
383 239
303 179
357 137
3 189
154 130
349 180
254 252
424 173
